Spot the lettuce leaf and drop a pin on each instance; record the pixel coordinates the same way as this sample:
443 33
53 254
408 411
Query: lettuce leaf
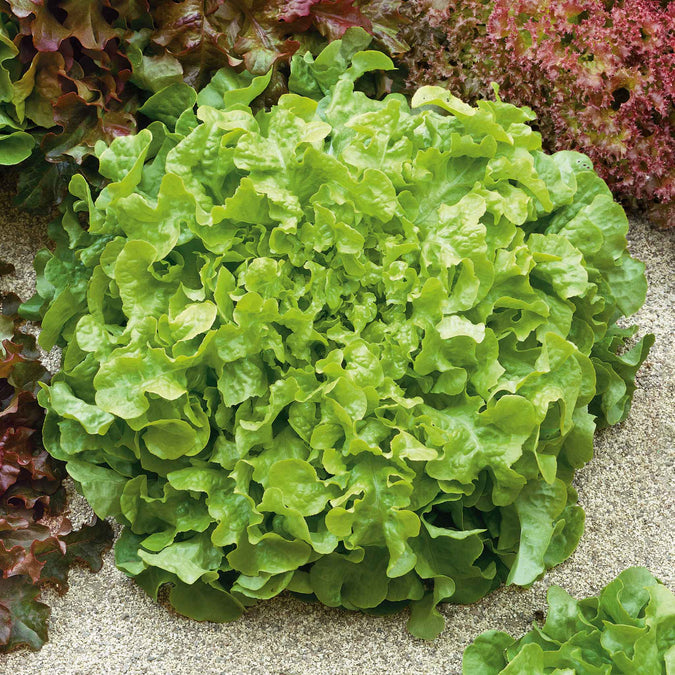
627 629
348 347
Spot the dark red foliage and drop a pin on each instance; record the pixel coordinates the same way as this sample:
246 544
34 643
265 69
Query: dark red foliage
331 17
195 33
72 47
600 74
206 34
37 545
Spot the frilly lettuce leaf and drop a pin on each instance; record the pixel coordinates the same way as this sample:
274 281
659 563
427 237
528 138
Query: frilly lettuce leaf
346 347
627 629
15 144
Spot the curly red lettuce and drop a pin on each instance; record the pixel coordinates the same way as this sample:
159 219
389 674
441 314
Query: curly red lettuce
599 75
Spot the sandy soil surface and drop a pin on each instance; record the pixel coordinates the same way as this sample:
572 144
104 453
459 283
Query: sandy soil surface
106 624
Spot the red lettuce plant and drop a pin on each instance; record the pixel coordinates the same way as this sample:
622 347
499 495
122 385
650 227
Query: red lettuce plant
600 74
259 33
37 544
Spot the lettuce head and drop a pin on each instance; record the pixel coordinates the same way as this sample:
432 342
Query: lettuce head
345 347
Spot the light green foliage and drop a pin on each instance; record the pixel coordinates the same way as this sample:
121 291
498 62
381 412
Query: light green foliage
344 347
15 144
629 628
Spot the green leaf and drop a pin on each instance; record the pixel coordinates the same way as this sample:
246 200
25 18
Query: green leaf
205 602
486 655
189 560
102 487
15 147
169 103
538 507
229 88
68 406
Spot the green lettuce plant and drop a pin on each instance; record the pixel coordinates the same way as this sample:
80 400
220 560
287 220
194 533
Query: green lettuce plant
351 348
629 628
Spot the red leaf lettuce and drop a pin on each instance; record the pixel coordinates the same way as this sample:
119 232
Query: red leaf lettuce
600 76
37 545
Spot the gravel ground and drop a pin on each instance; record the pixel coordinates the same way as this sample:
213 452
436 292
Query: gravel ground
105 624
